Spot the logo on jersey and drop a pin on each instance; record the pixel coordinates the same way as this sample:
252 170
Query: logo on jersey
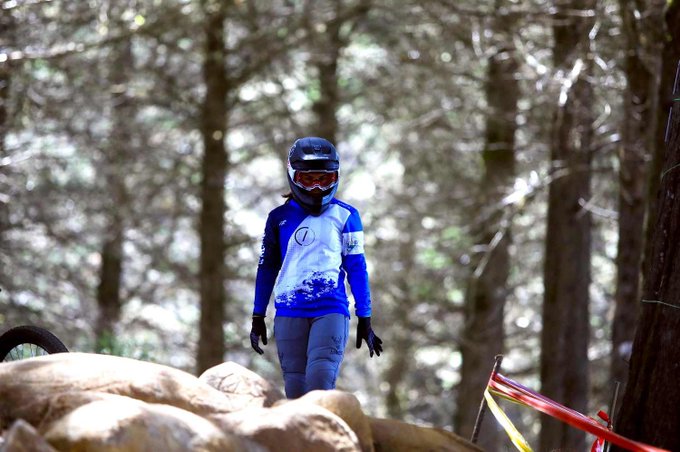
352 244
304 236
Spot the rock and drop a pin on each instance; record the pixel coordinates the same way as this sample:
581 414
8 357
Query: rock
344 405
245 388
63 403
121 423
22 437
89 402
396 436
298 427
27 387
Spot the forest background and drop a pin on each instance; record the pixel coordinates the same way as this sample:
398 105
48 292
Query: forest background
505 156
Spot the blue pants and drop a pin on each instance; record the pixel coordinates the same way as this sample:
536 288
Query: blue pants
310 351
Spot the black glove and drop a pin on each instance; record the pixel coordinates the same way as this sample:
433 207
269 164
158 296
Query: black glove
365 332
257 331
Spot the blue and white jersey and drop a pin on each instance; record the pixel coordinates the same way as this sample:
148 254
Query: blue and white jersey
305 260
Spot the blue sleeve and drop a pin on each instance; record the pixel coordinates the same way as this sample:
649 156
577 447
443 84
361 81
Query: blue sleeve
354 263
268 267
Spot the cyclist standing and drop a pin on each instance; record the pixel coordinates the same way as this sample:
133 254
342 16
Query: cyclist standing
311 244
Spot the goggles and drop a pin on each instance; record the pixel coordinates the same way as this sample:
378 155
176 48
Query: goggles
309 180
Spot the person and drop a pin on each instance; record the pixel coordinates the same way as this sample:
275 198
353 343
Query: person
312 243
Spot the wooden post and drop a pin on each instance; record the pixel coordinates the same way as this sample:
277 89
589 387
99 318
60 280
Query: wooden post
612 413
482 406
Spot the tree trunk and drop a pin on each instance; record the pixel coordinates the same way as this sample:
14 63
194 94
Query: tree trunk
211 229
406 296
108 291
483 334
670 37
637 140
325 107
397 369
564 338
6 35
649 410
331 42
649 407
115 161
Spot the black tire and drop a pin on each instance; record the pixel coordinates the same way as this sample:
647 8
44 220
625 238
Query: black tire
39 342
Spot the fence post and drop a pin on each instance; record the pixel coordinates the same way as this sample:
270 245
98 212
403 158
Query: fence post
482 406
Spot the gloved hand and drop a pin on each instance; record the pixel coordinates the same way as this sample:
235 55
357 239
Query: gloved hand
257 331
365 332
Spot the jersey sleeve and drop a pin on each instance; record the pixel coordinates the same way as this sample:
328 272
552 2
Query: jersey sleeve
268 266
354 264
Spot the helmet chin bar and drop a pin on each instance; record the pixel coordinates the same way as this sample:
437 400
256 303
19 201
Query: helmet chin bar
317 208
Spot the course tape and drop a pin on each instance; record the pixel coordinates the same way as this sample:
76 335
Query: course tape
515 391
515 436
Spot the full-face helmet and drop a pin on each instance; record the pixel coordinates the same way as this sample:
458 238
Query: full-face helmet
313 165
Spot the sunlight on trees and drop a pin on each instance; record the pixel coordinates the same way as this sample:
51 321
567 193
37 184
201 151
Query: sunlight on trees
143 143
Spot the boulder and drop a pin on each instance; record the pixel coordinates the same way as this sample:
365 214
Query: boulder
396 436
245 388
121 423
27 387
344 405
80 401
298 427
22 437
63 403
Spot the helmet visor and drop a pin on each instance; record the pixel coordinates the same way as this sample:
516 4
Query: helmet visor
309 180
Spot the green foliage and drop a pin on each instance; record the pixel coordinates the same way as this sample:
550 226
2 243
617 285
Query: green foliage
110 344
434 259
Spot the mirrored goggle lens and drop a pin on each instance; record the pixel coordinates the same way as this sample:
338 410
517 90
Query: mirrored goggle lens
316 179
